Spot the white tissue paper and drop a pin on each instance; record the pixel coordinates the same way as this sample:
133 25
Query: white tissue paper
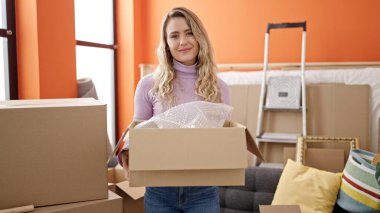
197 114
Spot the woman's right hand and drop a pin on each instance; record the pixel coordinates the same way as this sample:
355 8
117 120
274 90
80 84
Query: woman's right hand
124 160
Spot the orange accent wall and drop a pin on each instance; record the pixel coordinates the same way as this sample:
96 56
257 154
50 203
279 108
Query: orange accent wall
337 30
46 49
128 57
27 49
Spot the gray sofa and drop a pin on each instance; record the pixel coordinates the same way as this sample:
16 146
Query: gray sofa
259 189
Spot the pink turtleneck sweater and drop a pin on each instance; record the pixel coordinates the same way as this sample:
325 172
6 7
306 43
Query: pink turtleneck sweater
147 105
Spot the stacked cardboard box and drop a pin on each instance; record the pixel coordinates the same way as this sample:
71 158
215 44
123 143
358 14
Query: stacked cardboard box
52 152
113 204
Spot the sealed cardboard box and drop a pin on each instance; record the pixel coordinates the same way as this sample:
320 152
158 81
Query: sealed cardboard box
113 204
331 160
280 208
332 110
52 152
133 197
189 156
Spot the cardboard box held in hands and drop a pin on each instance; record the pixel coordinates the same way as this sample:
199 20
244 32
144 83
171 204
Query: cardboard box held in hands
189 156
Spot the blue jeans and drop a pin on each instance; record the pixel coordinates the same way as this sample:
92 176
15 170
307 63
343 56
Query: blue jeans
182 199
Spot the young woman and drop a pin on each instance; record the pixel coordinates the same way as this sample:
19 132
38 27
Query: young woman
186 73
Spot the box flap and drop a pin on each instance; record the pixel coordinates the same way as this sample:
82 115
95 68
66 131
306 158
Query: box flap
252 146
192 148
133 192
116 175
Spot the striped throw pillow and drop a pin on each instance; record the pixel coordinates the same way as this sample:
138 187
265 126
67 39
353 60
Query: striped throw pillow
359 191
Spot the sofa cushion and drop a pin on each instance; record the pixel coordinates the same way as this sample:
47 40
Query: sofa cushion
314 190
260 185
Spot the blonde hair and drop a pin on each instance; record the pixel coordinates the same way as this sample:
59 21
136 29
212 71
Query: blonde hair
207 82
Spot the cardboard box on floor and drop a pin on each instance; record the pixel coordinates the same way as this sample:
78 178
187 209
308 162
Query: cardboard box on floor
52 152
133 197
113 204
189 156
331 160
280 208
332 110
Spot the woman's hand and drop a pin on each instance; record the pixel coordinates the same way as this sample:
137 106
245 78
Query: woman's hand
124 159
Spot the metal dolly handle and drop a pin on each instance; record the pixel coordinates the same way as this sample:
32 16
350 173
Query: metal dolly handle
286 25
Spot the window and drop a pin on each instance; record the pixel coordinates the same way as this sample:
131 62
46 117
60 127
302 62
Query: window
8 62
3 71
95 52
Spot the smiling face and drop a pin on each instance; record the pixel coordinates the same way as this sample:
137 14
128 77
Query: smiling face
181 41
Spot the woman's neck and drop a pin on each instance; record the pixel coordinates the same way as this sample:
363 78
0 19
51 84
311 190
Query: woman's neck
185 71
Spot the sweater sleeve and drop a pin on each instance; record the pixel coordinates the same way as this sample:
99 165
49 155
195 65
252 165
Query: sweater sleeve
143 106
143 100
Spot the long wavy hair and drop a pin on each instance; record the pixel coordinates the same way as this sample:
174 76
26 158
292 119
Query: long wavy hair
207 83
